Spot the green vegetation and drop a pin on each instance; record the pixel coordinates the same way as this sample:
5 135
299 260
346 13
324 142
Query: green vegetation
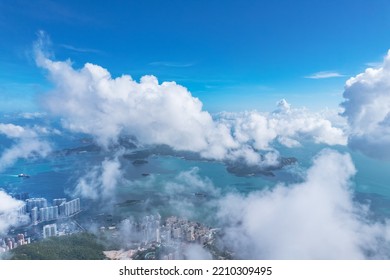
82 246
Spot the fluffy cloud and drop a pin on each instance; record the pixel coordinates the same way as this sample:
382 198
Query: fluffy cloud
15 131
92 102
89 100
196 252
367 108
33 115
286 125
190 181
187 194
315 219
190 195
100 182
8 212
26 144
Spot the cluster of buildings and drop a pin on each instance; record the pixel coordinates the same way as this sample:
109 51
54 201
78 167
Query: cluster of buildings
35 211
150 228
177 233
9 243
39 210
166 240
49 230
185 230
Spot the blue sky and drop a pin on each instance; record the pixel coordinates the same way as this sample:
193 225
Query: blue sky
233 55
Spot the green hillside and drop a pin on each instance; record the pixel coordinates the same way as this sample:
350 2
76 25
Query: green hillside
83 246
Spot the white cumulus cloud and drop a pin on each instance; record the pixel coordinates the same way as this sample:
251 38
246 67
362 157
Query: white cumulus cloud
91 101
367 108
287 125
8 212
315 219
26 144
100 182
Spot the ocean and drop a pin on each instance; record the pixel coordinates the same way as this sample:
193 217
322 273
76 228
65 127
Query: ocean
171 185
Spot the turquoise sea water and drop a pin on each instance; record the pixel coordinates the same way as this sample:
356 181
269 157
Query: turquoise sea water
371 183
150 188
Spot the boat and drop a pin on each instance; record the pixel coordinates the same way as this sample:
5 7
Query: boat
22 175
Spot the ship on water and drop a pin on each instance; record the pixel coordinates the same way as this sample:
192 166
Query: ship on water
23 175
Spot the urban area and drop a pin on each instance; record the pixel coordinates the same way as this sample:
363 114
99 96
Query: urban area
149 237
39 220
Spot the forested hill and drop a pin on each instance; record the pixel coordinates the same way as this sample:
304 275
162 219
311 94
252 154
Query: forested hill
82 246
